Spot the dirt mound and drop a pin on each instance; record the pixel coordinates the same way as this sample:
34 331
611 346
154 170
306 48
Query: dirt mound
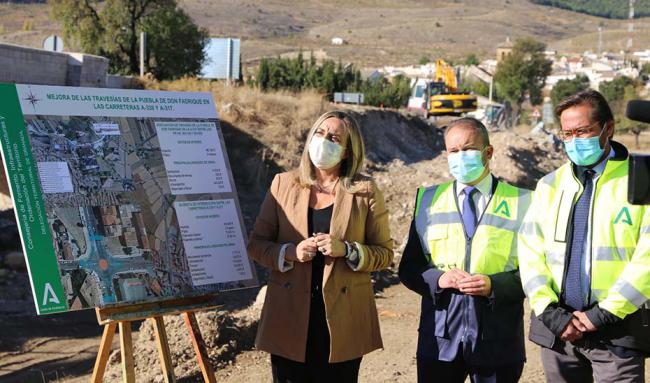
392 136
522 159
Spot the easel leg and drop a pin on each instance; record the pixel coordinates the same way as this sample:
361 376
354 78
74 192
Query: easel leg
199 347
126 344
103 354
163 349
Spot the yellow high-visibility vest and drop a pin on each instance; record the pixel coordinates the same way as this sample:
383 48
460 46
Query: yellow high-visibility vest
491 250
620 241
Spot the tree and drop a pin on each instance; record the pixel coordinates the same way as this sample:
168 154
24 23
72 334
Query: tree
328 78
355 86
614 91
167 58
313 74
566 88
263 74
296 73
618 92
381 92
399 91
604 8
112 28
523 73
471 59
644 72
479 87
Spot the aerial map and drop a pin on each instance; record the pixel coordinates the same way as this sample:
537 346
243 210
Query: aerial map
138 206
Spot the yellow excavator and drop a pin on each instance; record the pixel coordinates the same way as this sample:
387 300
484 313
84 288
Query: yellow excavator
440 96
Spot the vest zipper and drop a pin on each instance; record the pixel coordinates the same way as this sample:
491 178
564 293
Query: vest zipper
468 252
591 237
468 241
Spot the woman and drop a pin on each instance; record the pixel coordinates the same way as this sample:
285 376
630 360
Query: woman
321 230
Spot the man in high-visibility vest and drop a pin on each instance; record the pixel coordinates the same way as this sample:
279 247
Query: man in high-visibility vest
461 257
584 254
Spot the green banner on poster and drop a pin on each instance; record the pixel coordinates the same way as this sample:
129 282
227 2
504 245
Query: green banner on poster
20 168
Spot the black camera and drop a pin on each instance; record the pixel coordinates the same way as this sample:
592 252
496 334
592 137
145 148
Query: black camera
638 189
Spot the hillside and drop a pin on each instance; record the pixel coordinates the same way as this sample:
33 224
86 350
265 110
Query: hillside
613 9
377 32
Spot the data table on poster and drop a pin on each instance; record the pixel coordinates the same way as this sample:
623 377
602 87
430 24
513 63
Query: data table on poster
194 160
55 177
211 231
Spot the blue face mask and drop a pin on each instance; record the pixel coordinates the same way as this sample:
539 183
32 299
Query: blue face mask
466 166
584 151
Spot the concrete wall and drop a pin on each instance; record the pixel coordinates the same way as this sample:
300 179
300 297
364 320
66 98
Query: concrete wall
122 82
32 66
24 65
36 66
93 69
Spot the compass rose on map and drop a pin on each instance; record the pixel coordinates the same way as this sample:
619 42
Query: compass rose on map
31 97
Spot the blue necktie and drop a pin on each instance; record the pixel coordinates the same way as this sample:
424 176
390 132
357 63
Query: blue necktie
574 296
469 211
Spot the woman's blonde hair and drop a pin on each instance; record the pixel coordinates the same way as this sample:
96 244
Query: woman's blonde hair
351 166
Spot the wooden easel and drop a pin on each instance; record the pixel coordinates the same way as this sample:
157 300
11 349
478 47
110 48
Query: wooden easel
113 317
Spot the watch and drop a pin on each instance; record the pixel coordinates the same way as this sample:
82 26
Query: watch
351 252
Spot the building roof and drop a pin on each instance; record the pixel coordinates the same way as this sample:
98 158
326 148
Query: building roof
506 44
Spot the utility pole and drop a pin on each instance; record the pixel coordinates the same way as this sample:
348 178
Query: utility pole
630 28
600 41
143 50
491 87
229 61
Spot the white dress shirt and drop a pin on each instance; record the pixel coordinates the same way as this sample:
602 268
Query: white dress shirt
481 199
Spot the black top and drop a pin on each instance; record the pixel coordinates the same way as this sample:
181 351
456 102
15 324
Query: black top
318 222
318 339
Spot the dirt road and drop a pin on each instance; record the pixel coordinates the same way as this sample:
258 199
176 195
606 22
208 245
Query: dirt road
399 310
70 357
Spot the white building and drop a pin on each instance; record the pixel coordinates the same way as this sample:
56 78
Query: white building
555 78
598 68
413 71
642 56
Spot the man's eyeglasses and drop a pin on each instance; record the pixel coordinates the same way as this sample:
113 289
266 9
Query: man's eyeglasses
581 132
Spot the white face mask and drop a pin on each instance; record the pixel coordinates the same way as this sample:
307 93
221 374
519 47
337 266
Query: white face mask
324 154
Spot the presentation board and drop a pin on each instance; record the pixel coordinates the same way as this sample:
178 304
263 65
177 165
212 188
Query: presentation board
121 196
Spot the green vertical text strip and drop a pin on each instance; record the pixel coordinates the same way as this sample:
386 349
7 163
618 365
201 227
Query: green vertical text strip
29 207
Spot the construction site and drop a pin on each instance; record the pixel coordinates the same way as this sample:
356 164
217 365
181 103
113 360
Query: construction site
265 131
264 134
